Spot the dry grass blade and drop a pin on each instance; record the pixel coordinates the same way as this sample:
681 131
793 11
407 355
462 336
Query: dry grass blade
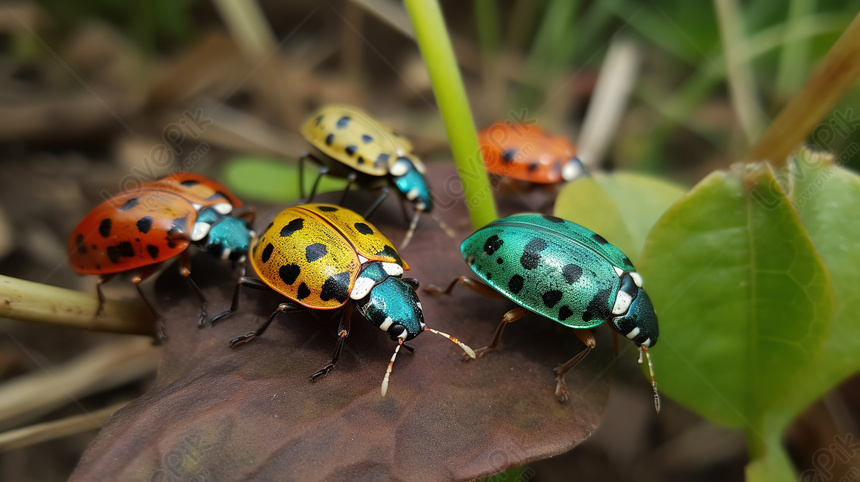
43 432
610 99
29 301
107 366
830 81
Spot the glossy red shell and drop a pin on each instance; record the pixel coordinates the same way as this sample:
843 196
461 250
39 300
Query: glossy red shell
525 152
143 226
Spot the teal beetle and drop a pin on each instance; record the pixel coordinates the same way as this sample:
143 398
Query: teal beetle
565 272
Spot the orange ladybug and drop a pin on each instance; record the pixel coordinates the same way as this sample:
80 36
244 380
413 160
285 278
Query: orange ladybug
138 229
528 153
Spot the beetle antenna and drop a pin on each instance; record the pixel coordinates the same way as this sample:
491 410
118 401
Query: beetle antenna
644 350
390 367
464 346
411 231
442 224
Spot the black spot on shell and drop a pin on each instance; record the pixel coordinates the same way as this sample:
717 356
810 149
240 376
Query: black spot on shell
627 261
343 122
153 251
350 150
129 204
571 273
597 308
600 239
533 166
336 287
363 228
360 160
267 252
515 284
179 225
289 273
553 219
304 292
327 209
390 252
217 195
550 298
315 251
564 312
500 260
329 139
509 155
190 182
144 223
126 250
531 253
489 275
104 227
79 244
381 159
318 119
492 244
292 227
366 139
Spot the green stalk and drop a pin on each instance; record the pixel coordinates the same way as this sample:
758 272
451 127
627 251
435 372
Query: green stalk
830 81
795 52
450 94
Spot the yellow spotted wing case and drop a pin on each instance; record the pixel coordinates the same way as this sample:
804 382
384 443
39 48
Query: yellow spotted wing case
354 138
310 255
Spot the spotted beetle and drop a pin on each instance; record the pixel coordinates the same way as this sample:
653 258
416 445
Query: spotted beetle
351 143
322 257
528 153
138 229
564 272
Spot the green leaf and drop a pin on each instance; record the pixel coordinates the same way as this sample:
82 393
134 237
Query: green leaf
825 196
621 206
743 298
272 180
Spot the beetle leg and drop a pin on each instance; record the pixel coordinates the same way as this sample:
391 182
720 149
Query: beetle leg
323 170
376 202
141 276
102 280
471 283
586 337
342 333
282 308
185 271
246 282
350 179
510 317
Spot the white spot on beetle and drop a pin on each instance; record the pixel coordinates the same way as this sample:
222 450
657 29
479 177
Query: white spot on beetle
646 343
618 270
386 324
633 333
572 169
200 230
196 206
362 287
223 208
393 269
622 303
637 278
399 168
361 259
226 253
412 194
420 308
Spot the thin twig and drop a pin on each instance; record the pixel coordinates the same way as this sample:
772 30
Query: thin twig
43 432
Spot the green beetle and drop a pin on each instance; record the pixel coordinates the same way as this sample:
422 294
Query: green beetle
564 272
352 144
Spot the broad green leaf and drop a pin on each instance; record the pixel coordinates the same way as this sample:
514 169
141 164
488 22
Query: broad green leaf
621 206
743 298
825 196
272 180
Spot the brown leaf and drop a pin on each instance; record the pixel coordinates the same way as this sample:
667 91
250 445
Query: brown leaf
217 413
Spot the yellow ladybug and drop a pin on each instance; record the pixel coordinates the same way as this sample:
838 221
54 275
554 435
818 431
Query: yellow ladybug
322 257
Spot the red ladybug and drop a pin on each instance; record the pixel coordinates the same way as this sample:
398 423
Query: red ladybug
138 229
528 153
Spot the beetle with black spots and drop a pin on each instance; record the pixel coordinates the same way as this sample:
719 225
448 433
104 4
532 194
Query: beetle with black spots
326 257
564 272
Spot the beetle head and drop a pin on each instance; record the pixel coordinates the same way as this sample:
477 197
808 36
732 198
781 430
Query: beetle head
230 238
411 183
393 306
639 323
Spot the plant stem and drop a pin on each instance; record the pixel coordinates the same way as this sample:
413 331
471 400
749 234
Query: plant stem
795 52
453 104
29 301
830 81
42 432
739 74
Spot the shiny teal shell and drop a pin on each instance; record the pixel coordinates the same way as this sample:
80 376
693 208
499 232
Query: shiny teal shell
550 266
